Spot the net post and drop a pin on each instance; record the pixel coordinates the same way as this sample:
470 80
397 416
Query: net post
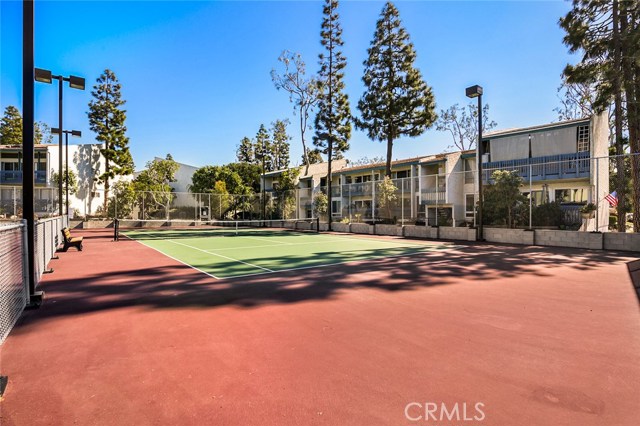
318 224
116 229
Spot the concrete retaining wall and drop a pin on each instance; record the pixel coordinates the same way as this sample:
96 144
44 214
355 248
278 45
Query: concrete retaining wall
418 231
341 227
457 233
509 236
621 241
361 228
574 239
393 230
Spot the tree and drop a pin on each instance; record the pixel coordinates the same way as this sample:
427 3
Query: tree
69 180
363 161
503 196
463 124
386 194
280 144
607 34
576 100
264 150
153 183
246 152
122 200
250 174
11 128
320 204
285 190
397 101
333 121
107 120
314 156
303 92
204 180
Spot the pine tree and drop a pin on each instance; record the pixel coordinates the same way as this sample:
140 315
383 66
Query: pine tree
603 32
280 144
264 150
397 101
246 152
333 121
11 128
106 119
313 156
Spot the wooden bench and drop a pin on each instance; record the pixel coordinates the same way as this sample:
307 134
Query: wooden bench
70 241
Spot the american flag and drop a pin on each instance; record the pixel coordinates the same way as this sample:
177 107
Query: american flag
612 199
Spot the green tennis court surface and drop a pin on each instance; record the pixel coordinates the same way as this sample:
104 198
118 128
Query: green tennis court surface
244 253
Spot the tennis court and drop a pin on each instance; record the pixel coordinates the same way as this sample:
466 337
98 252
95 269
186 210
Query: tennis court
239 249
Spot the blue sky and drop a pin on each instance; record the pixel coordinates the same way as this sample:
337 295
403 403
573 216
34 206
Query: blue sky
196 75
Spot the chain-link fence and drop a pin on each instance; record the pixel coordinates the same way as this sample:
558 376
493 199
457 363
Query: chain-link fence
13 264
45 202
13 285
569 191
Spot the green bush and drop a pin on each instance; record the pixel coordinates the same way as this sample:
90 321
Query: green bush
547 214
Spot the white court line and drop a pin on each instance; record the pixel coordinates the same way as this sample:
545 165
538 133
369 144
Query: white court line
171 257
327 264
219 255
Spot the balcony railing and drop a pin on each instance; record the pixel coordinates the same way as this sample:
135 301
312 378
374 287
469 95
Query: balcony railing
431 196
563 166
12 177
356 189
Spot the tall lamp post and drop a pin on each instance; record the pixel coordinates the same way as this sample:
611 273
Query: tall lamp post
45 76
476 92
74 133
264 184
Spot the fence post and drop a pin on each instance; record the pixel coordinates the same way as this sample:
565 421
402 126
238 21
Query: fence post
530 200
402 200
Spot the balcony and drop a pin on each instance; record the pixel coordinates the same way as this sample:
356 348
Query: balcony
433 196
356 189
563 166
12 177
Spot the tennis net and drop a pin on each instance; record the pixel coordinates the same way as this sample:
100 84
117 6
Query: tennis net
169 229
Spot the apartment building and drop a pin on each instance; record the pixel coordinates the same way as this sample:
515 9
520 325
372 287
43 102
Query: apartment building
85 161
556 161
563 162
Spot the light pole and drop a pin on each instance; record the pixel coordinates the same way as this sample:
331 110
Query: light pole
45 76
476 92
74 133
264 183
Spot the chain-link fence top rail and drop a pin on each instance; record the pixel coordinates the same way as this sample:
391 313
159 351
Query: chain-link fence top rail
445 194
13 294
157 229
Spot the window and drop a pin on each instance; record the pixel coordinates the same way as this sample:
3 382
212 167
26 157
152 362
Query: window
468 165
470 202
583 139
366 178
403 174
538 197
573 195
563 195
335 208
347 179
